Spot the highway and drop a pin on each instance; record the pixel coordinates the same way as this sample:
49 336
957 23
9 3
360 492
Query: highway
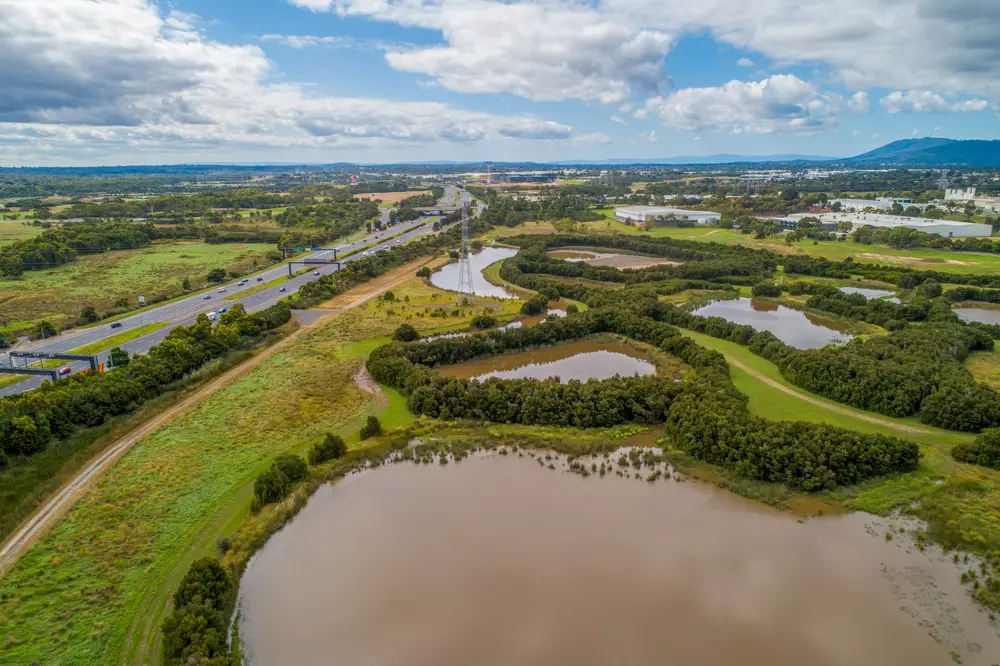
184 311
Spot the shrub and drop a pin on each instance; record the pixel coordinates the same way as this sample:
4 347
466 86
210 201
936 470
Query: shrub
572 309
197 625
984 450
331 447
88 315
217 275
484 321
537 305
293 467
373 428
423 272
270 486
766 289
118 357
405 333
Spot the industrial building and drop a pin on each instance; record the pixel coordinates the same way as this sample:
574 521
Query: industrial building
522 177
968 195
882 203
945 228
639 215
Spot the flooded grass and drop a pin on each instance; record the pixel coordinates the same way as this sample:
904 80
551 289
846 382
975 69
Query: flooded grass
798 329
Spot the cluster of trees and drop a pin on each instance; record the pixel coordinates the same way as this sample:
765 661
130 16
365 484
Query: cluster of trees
174 205
425 200
62 244
983 450
558 204
30 420
278 480
196 630
339 213
926 305
704 413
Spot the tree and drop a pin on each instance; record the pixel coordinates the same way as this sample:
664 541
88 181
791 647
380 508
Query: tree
329 448
88 315
293 467
405 333
217 275
483 321
537 305
572 309
984 450
424 272
270 486
186 284
45 329
477 245
373 428
118 357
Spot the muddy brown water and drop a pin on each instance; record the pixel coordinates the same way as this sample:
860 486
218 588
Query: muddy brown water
498 561
798 329
583 360
982 315
447 277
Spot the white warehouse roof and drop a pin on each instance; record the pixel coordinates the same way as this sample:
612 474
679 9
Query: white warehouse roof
946 228
644 213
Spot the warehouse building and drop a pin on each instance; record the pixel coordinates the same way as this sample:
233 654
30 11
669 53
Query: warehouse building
882 203
639 215
945 228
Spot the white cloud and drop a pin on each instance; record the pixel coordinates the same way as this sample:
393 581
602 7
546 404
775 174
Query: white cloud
780 103
926 101
592 138
118 74
334 41
600 50
745 62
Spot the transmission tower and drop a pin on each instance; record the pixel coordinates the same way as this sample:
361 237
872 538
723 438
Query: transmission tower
464 264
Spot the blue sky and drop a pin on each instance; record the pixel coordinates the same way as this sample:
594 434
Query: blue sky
140 81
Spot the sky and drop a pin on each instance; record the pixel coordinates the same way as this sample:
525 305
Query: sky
109 82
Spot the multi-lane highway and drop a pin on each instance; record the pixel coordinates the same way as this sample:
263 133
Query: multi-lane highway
185 311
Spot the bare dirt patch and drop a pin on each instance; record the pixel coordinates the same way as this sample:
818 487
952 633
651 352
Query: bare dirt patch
911 260
390 197
372 288
612 260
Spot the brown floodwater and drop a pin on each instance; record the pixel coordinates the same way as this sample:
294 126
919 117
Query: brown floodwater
798 329
982 315
499 561
447 277
582 359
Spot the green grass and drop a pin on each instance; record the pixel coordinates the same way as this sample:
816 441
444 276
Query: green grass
16 231
119 339
9 380
59 294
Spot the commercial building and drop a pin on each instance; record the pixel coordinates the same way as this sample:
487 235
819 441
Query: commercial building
523 177
639 215
968 195
945 228
882 203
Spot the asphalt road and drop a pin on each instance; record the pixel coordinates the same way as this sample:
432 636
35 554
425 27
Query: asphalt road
184 311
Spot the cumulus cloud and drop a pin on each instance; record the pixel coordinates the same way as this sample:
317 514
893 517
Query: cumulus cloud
118 72
334 42
780 103
745 62
926 101
600 50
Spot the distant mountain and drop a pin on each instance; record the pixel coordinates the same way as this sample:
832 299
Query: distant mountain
932 152
721 158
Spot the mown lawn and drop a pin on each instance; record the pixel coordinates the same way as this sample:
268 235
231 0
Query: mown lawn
59 294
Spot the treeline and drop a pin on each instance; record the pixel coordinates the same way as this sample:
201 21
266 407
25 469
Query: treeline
426 200
62 244
705 414
30 420
915 370
926 305
509 211
339 213
182 205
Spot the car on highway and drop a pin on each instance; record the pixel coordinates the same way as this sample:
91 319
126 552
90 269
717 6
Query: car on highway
221 289
221 310
117 324
206 297
212 316
260 279
282 289
315 272
64 371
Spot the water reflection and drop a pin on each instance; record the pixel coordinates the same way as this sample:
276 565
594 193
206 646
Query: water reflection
866 292
583 360
498 561
800 330
447 277
982 315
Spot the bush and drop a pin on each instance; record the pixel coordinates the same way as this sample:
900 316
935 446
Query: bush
984 450
373 428
330 448
537 305
484 321
572 309
271 486
293 467
88 315
423 272
118 357
216 275
766 289
197 625
405 333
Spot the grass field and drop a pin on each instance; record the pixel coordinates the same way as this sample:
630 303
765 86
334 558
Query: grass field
59 294
390 199
174 494
15 231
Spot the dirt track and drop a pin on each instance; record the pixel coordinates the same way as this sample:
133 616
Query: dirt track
56 506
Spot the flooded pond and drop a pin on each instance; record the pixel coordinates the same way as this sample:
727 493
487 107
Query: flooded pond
447 277
497 561
869 293
613 260
798 329
583 360
982 315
